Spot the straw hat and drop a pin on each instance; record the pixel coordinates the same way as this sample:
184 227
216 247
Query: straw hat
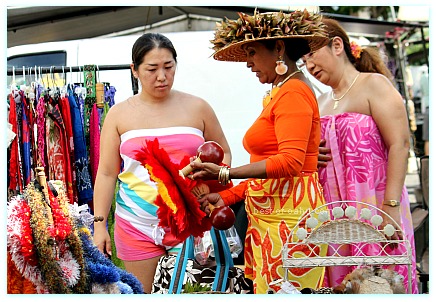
230 35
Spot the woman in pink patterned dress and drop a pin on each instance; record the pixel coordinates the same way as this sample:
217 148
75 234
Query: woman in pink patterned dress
364 125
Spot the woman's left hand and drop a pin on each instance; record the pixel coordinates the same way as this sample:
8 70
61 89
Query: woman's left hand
213 199
324 155
393 212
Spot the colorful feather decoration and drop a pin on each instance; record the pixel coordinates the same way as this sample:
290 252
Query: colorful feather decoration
179 209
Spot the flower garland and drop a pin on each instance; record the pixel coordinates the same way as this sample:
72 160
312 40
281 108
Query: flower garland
356 50
20 243
19 228
41 222
103 272
50 247
17 283
74 269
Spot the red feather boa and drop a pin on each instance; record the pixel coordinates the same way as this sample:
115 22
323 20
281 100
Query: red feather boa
179 209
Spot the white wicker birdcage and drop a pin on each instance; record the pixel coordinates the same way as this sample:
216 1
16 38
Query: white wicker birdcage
351 223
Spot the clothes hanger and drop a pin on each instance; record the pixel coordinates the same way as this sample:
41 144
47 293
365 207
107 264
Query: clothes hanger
23 86
51 85
70 82
13 83
63 89
30 90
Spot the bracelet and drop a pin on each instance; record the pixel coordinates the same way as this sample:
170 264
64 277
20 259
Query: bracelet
224 175
391 202
98 218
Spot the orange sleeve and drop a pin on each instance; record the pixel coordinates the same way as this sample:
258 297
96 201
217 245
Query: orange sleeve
234 194
296 124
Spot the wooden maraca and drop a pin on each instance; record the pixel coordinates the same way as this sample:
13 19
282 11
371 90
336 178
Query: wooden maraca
222 217
210 152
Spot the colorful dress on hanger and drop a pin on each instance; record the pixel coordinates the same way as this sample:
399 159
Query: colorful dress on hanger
14 162
94 141
59 164
136 233
81 162
358 171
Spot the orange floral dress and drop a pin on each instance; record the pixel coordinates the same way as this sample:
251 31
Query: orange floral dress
274 206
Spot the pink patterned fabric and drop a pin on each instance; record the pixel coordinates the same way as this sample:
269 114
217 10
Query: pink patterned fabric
358 172
94 141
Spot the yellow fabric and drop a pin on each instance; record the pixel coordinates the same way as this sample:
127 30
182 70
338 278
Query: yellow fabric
274 206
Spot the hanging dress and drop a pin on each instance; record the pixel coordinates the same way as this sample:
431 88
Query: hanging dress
81 162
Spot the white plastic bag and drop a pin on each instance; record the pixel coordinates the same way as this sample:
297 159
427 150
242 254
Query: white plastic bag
203 246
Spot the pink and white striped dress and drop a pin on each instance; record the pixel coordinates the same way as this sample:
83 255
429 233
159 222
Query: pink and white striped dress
136 233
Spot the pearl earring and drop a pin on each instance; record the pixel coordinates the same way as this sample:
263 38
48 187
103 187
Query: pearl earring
281 67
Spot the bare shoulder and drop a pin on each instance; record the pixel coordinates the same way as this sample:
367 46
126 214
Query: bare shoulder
376 81
383 98
119 106
118 111
191 100
187 96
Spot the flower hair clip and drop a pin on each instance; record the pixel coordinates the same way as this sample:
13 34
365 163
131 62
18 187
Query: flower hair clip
356 50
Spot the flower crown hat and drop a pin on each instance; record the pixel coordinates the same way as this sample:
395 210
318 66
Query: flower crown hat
231 35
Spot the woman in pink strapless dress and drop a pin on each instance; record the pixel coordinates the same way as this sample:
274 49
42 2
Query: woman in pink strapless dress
358 171
365 126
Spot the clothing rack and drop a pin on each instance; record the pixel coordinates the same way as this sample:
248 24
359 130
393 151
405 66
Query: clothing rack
64 69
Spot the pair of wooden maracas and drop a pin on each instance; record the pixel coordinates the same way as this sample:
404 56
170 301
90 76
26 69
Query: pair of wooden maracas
222 217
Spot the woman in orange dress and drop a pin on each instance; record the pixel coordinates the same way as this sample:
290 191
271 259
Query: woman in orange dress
281 181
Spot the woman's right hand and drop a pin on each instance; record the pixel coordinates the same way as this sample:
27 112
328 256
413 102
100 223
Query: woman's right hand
205 171
213 199
102 240
324 154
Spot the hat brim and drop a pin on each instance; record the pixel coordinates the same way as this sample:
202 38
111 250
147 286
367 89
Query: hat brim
235 53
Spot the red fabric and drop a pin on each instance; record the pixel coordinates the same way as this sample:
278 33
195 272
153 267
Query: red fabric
287 133
14 171
64 107
60 167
